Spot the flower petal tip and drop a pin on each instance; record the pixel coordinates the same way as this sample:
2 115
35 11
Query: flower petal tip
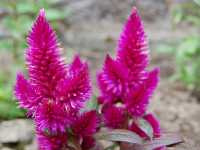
42 12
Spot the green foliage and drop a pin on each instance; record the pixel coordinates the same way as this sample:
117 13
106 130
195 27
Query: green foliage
186 11
9 110
8 106
187 50
188 60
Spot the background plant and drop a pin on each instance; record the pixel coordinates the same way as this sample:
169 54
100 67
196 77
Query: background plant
187 49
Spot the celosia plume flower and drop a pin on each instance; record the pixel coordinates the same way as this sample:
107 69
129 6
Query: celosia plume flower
86 124
51 142
55 92
114 117
126 86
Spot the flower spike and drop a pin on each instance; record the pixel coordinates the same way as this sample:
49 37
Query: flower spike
125 84
86 124
51 142
53 117
112 80
114 117
26 93
75 89
138 99
132 45
43 56
54 92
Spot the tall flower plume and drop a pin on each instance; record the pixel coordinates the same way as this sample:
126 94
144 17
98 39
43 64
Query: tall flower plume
54 92
125 84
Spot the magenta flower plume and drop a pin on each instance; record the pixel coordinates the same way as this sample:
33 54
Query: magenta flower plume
126 79
113 79
125 84
86 124
75 89
52 116
84 127
114 117
133 48
43 57
51 142
88 143
53 89
138 99
54 92
26 93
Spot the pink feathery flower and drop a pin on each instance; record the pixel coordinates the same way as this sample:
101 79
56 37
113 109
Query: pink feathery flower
44 62
128 70
113 79
84 127
88 143
86 124
55 92
114 117
132 48
51 142
126 82
138 99
26 93
52 116
126 78
75 88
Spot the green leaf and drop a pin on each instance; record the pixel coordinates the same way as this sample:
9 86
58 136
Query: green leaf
9 110
119 135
